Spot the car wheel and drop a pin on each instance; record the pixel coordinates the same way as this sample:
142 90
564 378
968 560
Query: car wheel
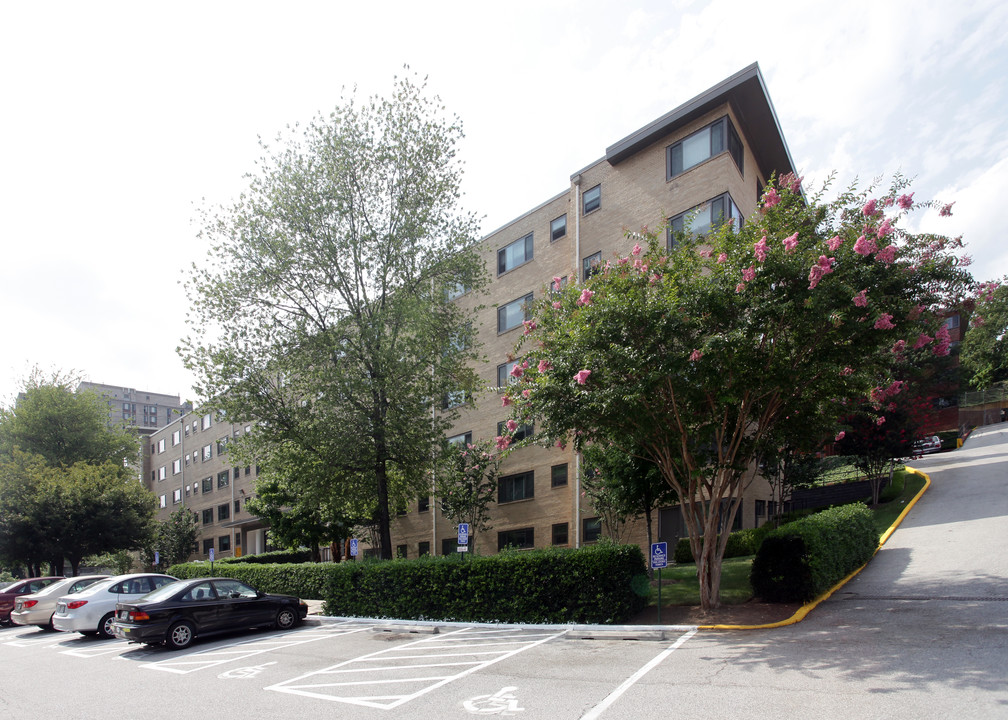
180 635
105 626
286 619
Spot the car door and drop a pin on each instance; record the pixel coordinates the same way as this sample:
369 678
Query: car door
240 606
200 604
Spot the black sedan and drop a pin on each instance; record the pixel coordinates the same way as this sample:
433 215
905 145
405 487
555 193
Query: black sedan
176 614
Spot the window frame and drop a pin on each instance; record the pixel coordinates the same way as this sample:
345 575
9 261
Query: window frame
528 252
554 540
730 209
591 265
558 223
524 303
724 140
507 486
504 373
596 201
594 534
554 481
505 538
525 430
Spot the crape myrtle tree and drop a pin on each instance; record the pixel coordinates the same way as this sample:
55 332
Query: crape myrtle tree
690 353
876 441
322 310
466 484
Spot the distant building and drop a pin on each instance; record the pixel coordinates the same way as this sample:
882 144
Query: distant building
141 409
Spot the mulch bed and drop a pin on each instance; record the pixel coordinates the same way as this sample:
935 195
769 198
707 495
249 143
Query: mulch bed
752 612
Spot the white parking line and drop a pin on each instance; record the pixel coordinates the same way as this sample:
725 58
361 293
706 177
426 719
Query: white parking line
350 681
213 657
597 711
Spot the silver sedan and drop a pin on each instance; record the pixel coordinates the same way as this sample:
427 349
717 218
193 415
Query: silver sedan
92 610
38 608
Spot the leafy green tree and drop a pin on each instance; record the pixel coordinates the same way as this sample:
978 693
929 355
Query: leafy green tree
323 312
623 485
876 441
466 484
984 354
689 353
176 536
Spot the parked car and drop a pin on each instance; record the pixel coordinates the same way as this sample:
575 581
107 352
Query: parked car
21 587
177 614
91 611
38 608
930 444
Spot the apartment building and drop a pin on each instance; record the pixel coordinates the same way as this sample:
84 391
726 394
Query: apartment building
710 156
186 464
143 410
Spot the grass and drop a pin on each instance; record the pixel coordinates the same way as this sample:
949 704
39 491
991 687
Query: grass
680 585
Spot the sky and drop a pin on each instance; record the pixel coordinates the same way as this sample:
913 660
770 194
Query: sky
120 120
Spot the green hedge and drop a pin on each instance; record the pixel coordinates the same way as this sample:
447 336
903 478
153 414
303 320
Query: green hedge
273 556
799 561
740 544
603 583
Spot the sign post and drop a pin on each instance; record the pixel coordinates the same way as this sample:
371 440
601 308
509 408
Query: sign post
463 537
659 560
353 547
211 561
157 558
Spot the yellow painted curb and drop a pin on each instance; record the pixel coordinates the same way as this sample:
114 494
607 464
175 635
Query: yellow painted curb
808 607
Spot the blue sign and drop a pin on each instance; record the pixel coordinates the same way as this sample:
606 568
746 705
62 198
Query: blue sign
353 547
463 534
211 554
157 558
659 555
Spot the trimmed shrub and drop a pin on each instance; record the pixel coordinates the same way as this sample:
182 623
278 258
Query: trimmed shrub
595 584
273 556
740 543
799 561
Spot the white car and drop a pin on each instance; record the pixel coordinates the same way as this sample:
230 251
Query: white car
38 608
930 444
92 610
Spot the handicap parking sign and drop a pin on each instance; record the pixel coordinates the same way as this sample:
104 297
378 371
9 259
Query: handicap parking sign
463 534
353 547
659 555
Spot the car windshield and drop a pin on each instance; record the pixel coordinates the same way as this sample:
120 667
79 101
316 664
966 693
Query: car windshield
162 593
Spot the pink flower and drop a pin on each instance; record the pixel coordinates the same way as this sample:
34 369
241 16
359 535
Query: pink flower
946 210
942 343
870 207
502 442
636 250
965 261
516 371
526 392
706 253
740 287
512 426
860 300
834 242
884 229
545 365
865 246
884 322
840 436
530 325
770 198
898 347
557 304
561 444
505 401
915 312
722 257
977 321
847 371
881 421
582 376
887 255
792 182
818 271
586 297
622 261
760 249
749 274
894 388
905 201
556 282
790 243
695 355
922 340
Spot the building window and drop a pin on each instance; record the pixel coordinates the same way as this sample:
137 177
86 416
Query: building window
223 512
163 500
704 218
400 551
591 529
161 445
521 432
592 264
237 506
460 439
187 430
208 516
162 472
522 538
205 424
176 496
238 539
224 543
558 228
952 322
702 145
555 291
207 485
449 546
514 313
223 479
760 508
455 291
558 475
423 548
592 199
195 488
560 534
207 546
453 399
176 438
207 452
514 255
512 488
222 445
153 475
176 466
423 504
504 377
